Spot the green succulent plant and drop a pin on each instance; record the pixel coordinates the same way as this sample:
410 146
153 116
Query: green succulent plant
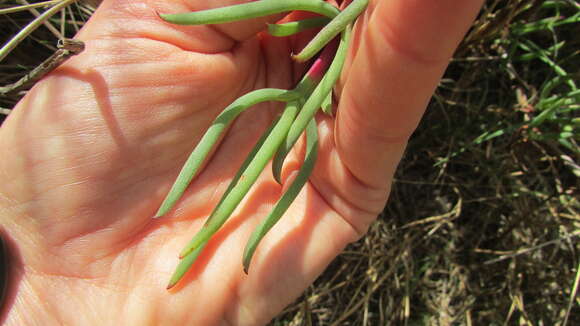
311 94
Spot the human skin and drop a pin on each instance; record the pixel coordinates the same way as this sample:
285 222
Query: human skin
90 152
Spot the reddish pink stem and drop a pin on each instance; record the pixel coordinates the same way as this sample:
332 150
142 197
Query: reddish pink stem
321 64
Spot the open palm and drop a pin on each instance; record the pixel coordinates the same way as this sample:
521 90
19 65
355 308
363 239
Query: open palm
90 152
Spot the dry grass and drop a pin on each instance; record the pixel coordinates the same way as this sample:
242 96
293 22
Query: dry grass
482 226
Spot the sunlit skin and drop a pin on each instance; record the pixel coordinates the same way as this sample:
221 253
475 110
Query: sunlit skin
89 154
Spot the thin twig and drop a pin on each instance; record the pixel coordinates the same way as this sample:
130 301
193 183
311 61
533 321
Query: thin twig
524 251
66 49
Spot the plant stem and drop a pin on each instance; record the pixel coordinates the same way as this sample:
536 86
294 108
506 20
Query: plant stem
332 29
291 28
313 103
250 10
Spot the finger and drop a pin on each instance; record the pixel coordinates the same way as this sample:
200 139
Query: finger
402 53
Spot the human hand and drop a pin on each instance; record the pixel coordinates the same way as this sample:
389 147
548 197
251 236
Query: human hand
90 152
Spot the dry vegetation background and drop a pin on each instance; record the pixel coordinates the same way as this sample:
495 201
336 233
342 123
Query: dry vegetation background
483 222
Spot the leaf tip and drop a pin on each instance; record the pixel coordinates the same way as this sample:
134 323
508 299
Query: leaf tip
277 169
170 285
184 253
246 261
299 57
175 278
160 15
170 18
161 211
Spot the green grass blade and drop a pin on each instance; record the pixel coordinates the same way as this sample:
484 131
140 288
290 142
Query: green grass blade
288 197
210 138
227 205
332 29
250 10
